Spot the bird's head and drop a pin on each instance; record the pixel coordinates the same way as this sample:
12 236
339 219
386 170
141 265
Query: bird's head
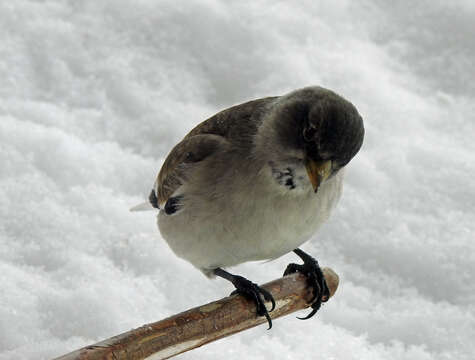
316 127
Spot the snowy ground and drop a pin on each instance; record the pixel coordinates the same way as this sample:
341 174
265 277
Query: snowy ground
94 93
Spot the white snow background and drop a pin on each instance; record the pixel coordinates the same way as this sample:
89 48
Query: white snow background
93 95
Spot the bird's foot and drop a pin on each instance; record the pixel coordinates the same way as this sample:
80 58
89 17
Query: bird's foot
252 291
315 278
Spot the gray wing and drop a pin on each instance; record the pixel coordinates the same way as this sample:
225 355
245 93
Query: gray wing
233 127
183 156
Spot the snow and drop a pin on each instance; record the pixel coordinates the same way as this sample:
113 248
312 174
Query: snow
95 93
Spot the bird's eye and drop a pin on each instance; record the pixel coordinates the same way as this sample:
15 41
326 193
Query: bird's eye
309 133
189 157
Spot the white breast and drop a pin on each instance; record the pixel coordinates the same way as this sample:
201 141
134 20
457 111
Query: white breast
264 221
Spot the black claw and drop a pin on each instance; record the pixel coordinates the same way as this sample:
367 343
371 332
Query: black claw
315 307
313 312
315 278
269 321
251 290
268 297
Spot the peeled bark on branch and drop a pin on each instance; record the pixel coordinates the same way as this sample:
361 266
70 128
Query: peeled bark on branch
201 325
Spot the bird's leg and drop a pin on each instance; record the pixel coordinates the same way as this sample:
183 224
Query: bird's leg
249 290
315 278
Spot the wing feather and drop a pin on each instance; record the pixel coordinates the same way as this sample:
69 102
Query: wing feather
233 127
183 156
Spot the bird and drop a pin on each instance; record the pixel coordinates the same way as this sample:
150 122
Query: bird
255 182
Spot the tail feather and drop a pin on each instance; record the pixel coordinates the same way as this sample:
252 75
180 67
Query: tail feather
145 206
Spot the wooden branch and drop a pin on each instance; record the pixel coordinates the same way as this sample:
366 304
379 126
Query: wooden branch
201 325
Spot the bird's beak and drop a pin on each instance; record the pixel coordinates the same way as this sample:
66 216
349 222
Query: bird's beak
318 171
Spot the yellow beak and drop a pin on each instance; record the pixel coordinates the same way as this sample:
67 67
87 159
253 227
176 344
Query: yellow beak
318 171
